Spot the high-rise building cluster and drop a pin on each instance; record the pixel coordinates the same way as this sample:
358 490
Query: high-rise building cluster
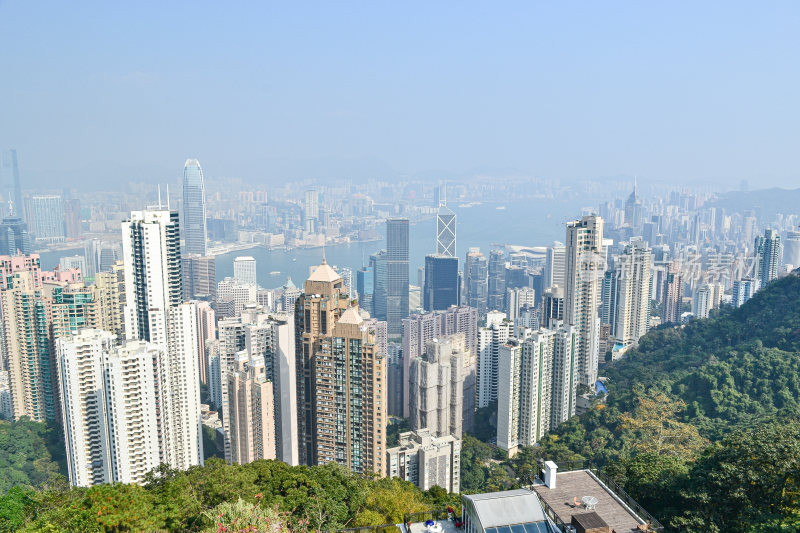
115 343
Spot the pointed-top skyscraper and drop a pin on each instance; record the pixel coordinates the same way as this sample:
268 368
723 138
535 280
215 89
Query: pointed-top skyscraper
194 208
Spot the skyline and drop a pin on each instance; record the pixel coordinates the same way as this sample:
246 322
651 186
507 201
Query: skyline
267 94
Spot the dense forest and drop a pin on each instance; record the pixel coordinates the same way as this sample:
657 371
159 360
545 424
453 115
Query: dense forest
268 495
701 426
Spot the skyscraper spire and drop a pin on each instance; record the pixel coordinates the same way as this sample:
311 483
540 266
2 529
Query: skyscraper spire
193 224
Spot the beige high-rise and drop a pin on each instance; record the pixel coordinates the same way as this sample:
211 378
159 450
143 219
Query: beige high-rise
26 349
111 287
252 410
317 310
349 376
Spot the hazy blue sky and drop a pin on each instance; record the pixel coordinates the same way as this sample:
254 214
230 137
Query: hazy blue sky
680 91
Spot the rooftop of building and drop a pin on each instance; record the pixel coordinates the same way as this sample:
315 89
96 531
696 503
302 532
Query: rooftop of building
447 526
611 504
324 273
351 316
498 509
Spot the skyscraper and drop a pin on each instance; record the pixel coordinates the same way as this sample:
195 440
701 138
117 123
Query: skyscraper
254 337
153 277
554 265
518 299
26 345
350 397
244 270
317 310
702 303
743 290
441 282
251 411
585 266
199 277
72 218
154 313
365 287
206 332
565 374
633 209
630 317
791 249
378 264
419 329
477 282
47 218
9 180
111 287
311 211
768 256
496 281
437 387
109 408
490 338
672 295
180 430
396 274
537 384
446 232
80 368
14 236
195 233
552 306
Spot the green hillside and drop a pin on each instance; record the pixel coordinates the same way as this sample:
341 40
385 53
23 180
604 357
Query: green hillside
719 393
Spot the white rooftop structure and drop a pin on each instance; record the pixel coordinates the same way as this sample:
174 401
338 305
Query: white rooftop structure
496 512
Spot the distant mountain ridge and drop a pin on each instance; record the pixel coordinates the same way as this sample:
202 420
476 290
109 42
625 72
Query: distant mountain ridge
764 202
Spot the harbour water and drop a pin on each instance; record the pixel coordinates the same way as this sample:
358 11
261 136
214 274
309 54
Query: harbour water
537 223
530 223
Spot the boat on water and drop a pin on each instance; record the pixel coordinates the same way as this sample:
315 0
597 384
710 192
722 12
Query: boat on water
500 207
274 272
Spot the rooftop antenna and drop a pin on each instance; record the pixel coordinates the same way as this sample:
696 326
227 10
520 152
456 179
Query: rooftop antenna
159 196
167 196
324 262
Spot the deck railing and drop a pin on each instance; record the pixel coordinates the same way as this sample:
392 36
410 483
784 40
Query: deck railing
551 514
422 516
654 524
633 505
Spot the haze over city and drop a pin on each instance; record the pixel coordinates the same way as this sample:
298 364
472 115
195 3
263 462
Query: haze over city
448 267
100 94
